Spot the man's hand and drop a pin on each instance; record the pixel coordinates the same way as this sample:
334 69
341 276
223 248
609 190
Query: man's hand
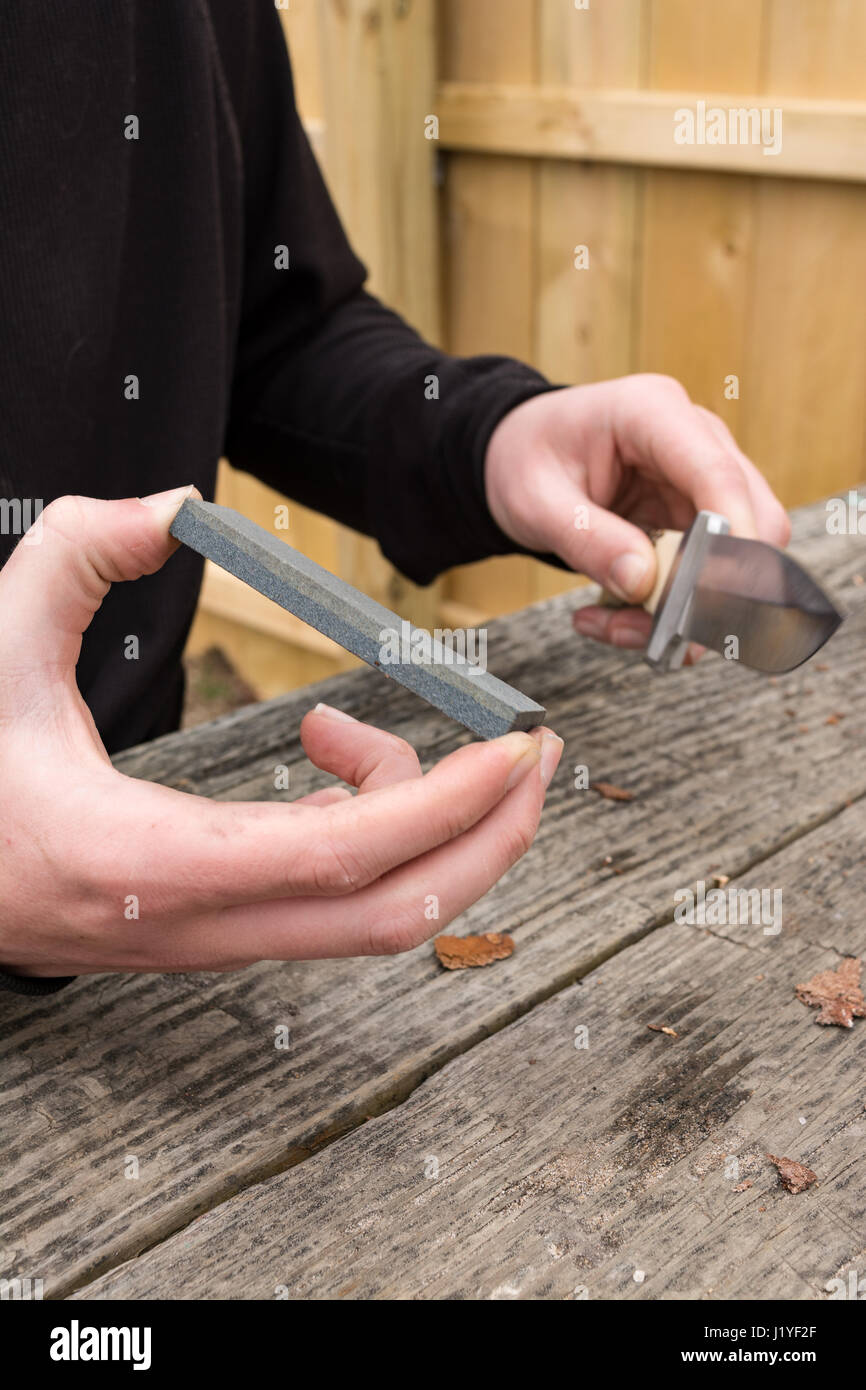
101 872
579 471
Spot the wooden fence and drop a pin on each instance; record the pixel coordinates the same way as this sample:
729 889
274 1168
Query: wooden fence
741 273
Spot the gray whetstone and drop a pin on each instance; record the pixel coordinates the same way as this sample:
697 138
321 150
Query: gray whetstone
484 704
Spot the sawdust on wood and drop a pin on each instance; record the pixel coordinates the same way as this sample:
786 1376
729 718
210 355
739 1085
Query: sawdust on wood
793 1176
460 952
836 993
611 792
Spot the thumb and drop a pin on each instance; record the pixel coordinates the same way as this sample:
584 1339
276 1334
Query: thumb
610 550
59 573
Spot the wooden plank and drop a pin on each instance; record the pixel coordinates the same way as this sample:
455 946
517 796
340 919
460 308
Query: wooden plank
806 418
822 139
815 47
585 318
633 1166
271 664
708 48
301 26
489 220
697 229
806 356
379 68
696 255
182 1072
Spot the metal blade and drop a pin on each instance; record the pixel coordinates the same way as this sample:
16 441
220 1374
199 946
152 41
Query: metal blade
749 590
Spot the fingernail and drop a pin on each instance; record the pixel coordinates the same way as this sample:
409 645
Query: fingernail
338 715
166 505
633 638
551 752
588 624
627 575
526 753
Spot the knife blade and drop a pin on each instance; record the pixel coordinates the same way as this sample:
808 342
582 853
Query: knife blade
444 677
743 598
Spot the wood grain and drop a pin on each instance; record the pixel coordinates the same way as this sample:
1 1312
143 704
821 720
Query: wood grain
535 1168
183 1072
823 139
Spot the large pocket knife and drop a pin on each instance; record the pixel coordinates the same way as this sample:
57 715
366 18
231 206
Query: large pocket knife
743 598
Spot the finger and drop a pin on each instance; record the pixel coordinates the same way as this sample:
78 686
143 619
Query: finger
365 757
625 627
192 853
396 913
60 572
595 541
773 522
326 797
628 628
659 427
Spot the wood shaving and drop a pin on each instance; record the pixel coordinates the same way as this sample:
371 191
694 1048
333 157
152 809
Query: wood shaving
834 719
744 1186
661 1028
721 879
460 952
836 993
611 792
793 1176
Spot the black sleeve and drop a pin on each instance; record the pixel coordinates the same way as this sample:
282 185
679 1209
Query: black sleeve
333 402
31 984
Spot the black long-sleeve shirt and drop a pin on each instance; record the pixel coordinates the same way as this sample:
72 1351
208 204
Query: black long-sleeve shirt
156 258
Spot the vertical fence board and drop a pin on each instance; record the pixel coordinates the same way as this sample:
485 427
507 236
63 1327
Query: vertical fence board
379 76
806 422
584 323
490 222
698 228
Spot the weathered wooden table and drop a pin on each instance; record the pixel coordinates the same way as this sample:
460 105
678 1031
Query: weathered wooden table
434 1134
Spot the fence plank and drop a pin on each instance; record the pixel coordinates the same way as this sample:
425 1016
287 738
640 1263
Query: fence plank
806 422
823 139
490 221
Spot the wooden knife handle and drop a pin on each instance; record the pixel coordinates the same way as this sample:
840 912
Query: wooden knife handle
666 543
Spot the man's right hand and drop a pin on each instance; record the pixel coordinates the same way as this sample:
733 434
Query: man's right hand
217 885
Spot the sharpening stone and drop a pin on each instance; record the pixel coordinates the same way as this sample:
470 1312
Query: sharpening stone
446 680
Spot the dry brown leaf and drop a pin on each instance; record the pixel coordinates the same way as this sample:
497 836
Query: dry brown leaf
836 993
661 1028
610 792
793 1176
460 952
